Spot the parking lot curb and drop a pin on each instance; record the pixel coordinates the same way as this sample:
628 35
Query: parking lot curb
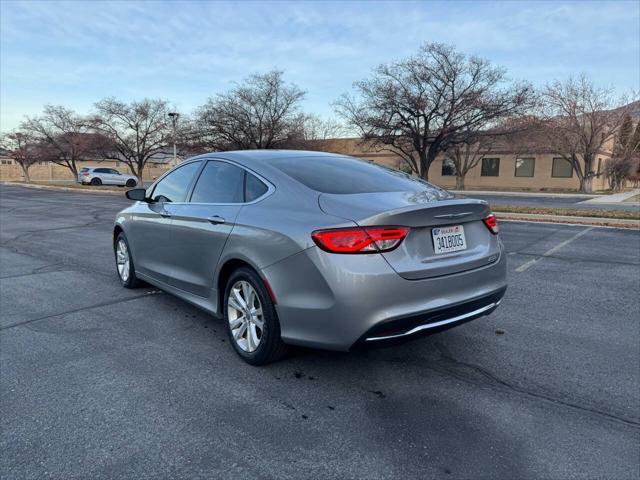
65 189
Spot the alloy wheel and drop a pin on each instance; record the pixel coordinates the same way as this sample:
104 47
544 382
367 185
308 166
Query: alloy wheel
122 260
244 312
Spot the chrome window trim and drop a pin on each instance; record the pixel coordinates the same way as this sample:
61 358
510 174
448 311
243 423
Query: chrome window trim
270 187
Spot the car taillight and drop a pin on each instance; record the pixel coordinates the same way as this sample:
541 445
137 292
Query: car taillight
359 240
85 174
492 223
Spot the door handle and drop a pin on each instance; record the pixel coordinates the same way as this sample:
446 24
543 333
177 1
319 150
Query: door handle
216 219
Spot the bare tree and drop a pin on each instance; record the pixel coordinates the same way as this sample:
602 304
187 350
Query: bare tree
133 132
317 128
625 163
261 112
22 148
466 155
417 107
65 133
581 119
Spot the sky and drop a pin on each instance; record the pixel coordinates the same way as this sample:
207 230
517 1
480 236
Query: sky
75 53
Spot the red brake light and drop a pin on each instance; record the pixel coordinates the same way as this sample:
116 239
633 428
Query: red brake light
492 223
359 240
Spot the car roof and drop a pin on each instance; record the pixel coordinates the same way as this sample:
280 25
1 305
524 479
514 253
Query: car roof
248 157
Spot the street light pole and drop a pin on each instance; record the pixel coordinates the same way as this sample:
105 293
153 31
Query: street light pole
174 120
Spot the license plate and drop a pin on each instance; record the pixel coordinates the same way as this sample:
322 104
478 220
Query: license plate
448 239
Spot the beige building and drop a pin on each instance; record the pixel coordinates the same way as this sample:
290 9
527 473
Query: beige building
535 168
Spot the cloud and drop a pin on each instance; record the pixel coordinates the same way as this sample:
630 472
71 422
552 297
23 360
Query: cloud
79 52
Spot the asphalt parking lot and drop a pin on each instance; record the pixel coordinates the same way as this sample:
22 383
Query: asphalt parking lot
98 381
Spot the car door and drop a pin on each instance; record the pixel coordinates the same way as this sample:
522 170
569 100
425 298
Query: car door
102 174
151 241
116 177
200 228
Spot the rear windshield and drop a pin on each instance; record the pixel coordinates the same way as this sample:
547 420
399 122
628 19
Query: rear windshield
85 169
346 175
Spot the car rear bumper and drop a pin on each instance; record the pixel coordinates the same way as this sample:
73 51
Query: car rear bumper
430 322
343 301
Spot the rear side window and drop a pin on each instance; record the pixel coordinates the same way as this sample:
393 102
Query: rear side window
345 175
219 182
101 170
175 186
253 187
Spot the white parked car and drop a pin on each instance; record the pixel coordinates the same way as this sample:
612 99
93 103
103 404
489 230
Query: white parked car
105 176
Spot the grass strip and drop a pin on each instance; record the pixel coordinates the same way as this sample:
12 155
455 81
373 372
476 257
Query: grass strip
569 212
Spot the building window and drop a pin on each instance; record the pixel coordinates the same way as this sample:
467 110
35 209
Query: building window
490 167
525 167
6 162
561 168
448 168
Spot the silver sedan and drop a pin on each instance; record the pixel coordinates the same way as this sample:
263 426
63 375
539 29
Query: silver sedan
313 249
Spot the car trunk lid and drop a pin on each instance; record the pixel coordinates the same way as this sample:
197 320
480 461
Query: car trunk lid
416 257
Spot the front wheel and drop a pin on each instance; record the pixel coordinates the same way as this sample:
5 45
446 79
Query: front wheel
251 319
124 263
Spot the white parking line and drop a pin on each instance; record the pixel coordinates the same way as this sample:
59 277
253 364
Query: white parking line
553 250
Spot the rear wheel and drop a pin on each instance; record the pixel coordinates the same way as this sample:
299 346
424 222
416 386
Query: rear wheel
124 263
131 183
96 181
251 319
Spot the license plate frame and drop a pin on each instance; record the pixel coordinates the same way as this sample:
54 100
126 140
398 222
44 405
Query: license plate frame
449 239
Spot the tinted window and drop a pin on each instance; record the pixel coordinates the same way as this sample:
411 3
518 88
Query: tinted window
174 187
114 172
490 167
85 169
219 182
253 187
525 167
347 175
101 170
448 167
561 168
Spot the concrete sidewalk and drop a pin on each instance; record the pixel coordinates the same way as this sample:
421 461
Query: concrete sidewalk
615 198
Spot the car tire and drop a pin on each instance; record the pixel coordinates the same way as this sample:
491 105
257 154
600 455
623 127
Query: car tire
131 183
96 181
246 334
124 263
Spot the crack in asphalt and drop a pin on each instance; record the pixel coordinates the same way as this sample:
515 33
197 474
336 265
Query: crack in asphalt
36 271
81 309
497 383
72 266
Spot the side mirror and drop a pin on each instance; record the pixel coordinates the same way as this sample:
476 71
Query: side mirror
137 194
